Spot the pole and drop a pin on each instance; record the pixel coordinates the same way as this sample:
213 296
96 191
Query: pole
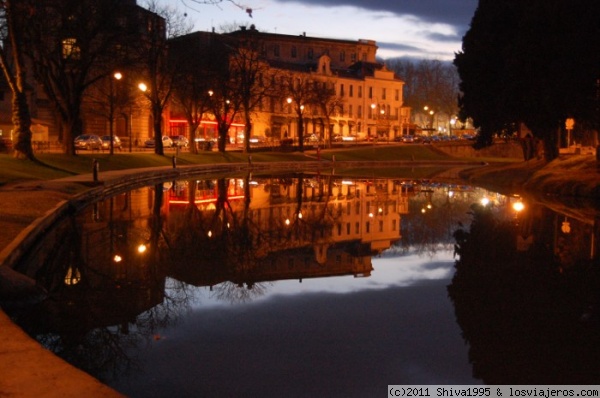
95 169
130 129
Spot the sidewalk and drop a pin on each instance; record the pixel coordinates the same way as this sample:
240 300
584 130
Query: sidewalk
29 370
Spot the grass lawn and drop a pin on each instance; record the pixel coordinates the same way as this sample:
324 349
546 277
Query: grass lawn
56 165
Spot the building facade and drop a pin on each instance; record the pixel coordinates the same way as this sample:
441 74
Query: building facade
368 95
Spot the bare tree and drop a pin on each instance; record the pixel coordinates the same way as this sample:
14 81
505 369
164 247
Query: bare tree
71 46
328 103
158 72
430 83
12 16
191 93
254 80
248 10
298 90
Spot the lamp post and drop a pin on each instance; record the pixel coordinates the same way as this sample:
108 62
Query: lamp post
299 108
111 110
452 124
379 116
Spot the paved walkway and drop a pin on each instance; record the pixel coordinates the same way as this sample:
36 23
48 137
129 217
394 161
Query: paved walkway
29 370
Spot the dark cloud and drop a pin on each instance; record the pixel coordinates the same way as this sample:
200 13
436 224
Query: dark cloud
398 47
457 13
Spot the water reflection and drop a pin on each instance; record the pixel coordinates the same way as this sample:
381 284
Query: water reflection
124 271
526 295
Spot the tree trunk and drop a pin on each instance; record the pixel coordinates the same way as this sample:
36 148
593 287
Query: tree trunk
21 116
550 147
157 123
248 134
193 128
74 127
223 129
21 119
300 132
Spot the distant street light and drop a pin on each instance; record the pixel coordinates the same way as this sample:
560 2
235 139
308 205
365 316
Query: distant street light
117 76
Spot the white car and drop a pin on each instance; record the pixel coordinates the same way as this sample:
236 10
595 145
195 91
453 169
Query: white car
167 142
180 141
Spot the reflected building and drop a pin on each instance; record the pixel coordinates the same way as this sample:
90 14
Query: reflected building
299 226
243 230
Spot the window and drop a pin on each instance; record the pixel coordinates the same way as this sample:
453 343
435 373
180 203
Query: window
359 114
370 92
343 56
70 49
397 95
383 93
359 91
342 90
294 52
276 50
351 90
311 53
353 57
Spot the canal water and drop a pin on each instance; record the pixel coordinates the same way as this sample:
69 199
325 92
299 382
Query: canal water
312 285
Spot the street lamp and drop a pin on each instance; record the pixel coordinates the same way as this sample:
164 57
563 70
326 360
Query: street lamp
430 112
111 111
380 119
299 112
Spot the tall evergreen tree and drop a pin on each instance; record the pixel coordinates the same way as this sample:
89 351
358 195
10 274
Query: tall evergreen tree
534 62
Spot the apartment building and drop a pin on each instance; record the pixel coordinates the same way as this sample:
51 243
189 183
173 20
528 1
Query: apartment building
369 96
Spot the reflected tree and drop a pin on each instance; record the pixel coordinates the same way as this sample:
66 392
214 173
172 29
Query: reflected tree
521 313
433 216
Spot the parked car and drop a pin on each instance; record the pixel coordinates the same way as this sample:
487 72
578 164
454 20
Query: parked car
257 139
167 142
88 141
311 139
106 142
180 141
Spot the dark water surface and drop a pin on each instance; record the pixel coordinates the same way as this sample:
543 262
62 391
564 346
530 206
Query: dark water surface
323 337
309 285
